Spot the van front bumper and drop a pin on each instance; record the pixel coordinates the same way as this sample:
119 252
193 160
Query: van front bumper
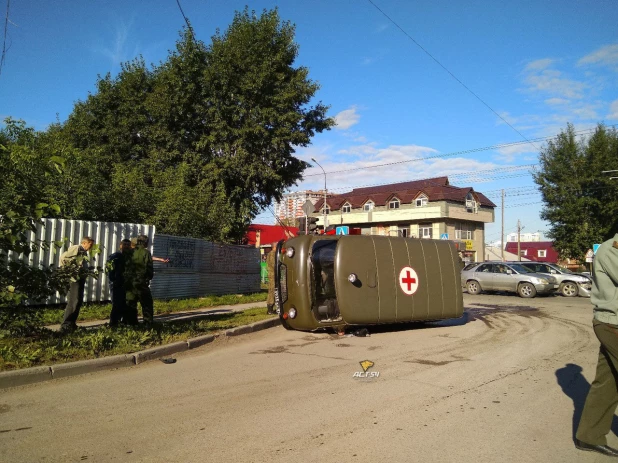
584 289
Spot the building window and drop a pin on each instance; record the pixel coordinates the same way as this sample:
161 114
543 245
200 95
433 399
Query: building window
326 210
368 206
425 230
421 201
464 232
470 203
542 253
346 208
404 231
523 252
393 204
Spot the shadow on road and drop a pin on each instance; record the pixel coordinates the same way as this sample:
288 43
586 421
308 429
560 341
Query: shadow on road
575 386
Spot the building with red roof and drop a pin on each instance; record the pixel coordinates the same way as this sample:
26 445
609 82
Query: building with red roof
538 251
429 208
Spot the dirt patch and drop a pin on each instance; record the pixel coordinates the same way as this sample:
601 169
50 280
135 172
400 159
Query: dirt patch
274 350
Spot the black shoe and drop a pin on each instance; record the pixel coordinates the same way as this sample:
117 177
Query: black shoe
603 449
68 328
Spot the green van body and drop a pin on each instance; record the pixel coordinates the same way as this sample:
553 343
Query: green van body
316 281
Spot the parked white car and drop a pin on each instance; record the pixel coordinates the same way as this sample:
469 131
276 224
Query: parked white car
571 284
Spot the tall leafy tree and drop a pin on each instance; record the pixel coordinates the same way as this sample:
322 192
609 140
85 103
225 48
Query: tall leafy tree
201 142
581 203
25 173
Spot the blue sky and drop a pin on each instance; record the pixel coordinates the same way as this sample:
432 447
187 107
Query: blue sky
538 64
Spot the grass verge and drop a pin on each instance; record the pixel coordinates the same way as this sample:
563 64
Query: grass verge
46 347
53 315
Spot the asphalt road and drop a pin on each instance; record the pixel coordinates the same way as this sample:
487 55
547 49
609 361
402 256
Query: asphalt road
504 385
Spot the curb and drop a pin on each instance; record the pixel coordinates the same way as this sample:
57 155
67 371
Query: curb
160 351
81 367
25 376
33 375
201 340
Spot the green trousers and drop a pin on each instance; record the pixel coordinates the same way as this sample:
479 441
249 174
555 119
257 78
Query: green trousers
144 297
602 399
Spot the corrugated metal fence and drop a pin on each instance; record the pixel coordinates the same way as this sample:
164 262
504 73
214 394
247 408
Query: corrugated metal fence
196 268
106 234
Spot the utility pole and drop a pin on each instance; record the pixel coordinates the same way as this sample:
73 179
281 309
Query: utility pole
502 234
518 240
324 205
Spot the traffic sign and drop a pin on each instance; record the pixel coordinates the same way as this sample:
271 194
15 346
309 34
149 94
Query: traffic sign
595 248
444 236
343 230
469 245
589 254
408 280
308 207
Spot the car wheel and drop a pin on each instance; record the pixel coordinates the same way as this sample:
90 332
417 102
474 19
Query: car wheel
526 290
473 287
569 289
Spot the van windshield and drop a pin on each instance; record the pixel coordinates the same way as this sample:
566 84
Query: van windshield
323 292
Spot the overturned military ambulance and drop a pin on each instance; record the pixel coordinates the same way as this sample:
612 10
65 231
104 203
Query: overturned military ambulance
336 281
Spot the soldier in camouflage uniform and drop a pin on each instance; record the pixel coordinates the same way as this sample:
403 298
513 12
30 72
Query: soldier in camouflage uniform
138 273
270 267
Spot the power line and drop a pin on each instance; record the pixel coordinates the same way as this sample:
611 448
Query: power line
450 73
6 27
472 150
183 15
455 175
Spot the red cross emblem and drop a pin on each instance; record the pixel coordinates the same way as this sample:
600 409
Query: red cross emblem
408 280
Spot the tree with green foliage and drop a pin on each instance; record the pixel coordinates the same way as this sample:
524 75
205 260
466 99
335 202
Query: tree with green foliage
198 144
24 174
581 203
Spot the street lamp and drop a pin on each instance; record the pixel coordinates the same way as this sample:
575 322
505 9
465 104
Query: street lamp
324 205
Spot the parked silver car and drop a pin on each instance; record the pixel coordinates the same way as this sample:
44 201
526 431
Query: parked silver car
571 284
501 276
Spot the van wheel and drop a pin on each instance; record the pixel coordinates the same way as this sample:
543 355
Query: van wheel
473 287
526 290
569 289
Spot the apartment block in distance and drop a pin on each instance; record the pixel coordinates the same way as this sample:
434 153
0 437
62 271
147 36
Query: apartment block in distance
290 206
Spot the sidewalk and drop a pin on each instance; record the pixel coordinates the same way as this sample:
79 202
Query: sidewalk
186 315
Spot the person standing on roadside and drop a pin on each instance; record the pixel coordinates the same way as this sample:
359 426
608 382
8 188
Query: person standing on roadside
76 255
270 268
598 413
138 273
115 267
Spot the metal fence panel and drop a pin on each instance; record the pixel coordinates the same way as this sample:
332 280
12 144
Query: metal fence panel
198 268
106 234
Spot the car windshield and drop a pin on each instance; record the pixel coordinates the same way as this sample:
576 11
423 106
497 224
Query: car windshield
562 269
520 268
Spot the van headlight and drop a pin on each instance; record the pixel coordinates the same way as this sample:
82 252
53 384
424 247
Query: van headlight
289 252
292 313
352 277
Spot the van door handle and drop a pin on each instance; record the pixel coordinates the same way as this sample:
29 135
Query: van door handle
371 278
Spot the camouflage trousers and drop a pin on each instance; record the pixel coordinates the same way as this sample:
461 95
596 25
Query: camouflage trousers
144 297
270 300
